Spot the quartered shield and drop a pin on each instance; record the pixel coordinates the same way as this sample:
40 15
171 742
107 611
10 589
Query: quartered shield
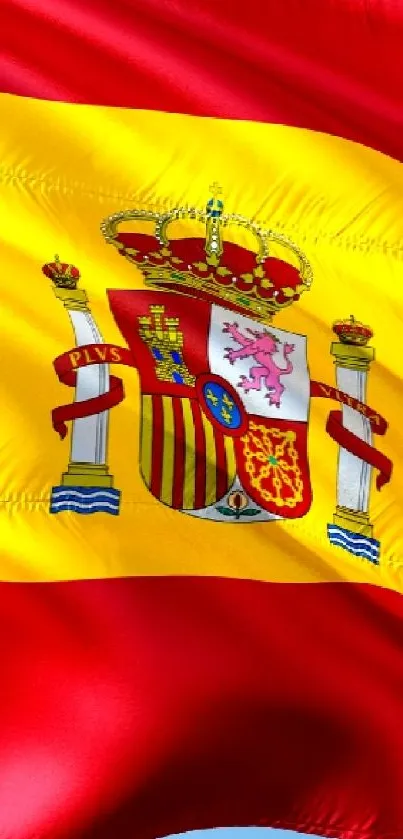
224 408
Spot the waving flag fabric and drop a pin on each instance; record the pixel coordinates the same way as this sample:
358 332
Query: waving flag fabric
201 446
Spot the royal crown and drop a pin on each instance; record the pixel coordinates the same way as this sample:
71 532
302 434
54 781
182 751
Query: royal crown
253 283
62 274
351 331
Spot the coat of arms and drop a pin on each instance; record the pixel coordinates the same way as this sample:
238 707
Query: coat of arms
225 395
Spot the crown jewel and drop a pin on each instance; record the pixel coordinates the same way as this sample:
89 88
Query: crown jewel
351 331
62 274
210 268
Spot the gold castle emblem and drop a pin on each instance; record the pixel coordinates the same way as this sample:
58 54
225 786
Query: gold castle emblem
165 341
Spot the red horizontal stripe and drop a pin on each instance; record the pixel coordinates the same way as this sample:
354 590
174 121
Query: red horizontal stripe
329 65
145 706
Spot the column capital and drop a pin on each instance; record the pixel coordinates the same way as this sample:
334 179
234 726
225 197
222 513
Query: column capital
72 298
352 356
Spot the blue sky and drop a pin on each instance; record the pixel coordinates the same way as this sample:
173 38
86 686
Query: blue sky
243 833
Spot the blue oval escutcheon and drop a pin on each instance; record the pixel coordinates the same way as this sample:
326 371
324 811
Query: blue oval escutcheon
221 404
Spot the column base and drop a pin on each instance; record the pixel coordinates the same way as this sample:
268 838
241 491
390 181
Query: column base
353 520
85 500
87 475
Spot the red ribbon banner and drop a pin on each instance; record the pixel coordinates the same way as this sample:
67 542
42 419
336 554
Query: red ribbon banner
350 441
66 367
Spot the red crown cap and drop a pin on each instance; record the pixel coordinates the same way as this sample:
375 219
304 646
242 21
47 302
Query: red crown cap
210 268
62 274
351 331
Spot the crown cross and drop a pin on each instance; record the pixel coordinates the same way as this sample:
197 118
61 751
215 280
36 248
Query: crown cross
214 209
215 189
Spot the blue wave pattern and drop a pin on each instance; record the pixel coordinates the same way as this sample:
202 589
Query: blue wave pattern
354 543
85 500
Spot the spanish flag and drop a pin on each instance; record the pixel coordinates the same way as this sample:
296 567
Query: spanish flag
201 449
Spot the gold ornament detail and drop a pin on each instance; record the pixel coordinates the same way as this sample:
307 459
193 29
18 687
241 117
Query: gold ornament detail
273 462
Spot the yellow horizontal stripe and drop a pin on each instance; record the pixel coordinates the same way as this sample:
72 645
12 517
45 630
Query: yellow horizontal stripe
63 169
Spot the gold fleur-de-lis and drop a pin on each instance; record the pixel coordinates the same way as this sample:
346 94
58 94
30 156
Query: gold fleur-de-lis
228 402
211 397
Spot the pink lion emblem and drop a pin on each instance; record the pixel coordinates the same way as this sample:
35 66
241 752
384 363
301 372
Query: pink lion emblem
261 348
